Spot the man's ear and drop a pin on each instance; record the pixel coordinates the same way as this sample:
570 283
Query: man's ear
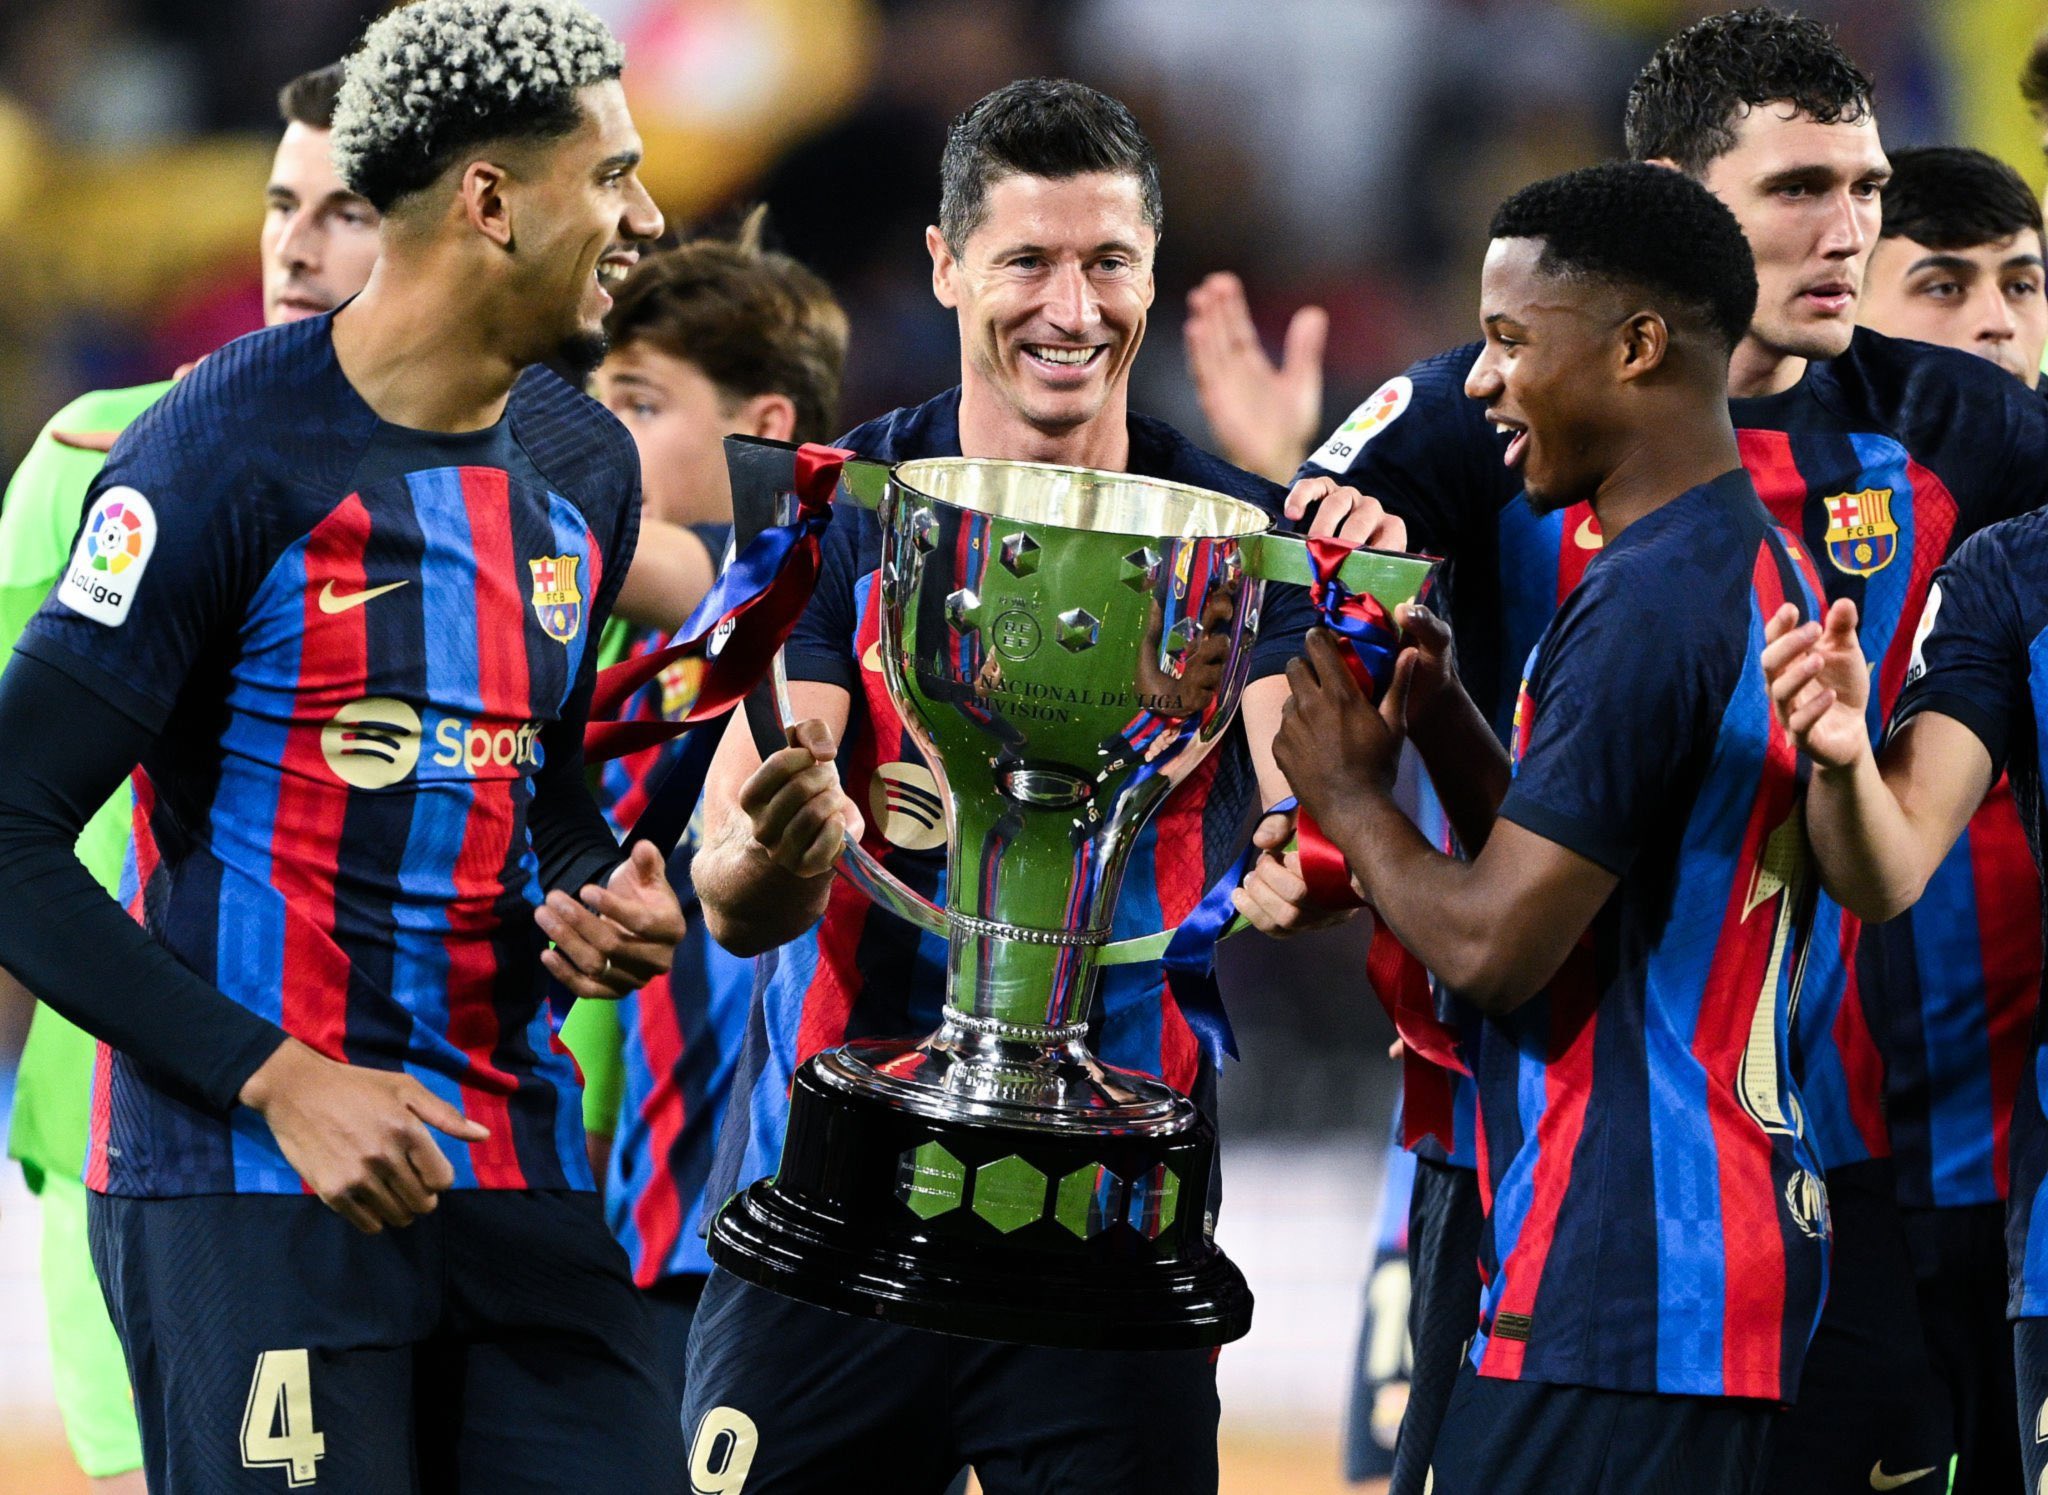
770 415
485 205
1645 342
945 269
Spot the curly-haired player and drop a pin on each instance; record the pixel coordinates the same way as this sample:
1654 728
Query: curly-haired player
337 595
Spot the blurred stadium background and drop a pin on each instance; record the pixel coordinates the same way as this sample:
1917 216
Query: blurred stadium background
1346 152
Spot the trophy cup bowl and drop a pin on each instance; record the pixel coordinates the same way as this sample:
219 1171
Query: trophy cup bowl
1065 646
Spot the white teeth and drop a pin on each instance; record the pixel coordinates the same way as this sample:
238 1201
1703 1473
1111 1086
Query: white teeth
1063 355
611 273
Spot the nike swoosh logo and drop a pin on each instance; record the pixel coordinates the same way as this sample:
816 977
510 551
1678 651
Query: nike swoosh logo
1879 1480
332 601
1586 537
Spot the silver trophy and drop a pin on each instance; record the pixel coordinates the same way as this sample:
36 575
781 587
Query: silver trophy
1065 646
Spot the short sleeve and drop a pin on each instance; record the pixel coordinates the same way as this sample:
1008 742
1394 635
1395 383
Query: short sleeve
1424 449
160 568
1969 650
2022 485
820 648
1618 712
1285 619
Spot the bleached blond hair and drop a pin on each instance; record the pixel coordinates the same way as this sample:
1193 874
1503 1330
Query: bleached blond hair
436 77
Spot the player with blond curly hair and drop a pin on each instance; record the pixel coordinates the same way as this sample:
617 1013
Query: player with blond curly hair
337 595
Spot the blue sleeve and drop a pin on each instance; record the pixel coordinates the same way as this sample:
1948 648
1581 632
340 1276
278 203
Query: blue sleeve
1970 649
1621 708
171 547
820 648
1425 451
1284 622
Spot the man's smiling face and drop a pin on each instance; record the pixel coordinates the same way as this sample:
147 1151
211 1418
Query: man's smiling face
1052 288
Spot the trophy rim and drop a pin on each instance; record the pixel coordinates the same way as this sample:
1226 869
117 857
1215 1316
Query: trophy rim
1236 519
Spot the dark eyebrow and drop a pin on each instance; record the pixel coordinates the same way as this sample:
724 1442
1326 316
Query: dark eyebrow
1953 263
1497 316
276 190
1819 178
623 161
2023 262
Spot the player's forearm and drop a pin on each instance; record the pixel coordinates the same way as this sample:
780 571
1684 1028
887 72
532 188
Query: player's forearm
1869 853
1467 765
1435 906
61 935
750 904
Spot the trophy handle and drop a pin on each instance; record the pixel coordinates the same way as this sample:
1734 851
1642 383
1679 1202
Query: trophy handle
1392 576
761 473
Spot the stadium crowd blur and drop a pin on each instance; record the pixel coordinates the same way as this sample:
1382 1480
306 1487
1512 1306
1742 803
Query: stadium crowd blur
1341 152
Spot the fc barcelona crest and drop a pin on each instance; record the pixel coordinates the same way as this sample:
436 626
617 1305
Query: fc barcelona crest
1861 536
556 602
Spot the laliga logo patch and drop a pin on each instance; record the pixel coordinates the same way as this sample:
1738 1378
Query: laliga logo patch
1918 666
1861 537
1381 410
556 602
904 800
112 552
720 637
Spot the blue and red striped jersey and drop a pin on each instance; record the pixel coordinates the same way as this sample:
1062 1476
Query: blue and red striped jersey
861 973
1883 460
360 648
1656 1220
1981 658
679 1034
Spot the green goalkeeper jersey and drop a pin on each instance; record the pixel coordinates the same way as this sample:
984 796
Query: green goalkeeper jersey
38 522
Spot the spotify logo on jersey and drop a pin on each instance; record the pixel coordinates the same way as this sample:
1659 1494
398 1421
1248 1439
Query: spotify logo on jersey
372 743
904 800
375 742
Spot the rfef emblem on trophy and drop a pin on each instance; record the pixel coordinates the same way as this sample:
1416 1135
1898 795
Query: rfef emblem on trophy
1065 646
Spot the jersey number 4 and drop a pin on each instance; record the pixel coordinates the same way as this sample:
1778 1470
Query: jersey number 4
277 1425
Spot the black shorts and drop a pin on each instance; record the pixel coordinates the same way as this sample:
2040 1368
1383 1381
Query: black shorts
2030 1365
1444 1222
496 1346
1869 1406
786 1398
671 1309
1530 1438
1959 1267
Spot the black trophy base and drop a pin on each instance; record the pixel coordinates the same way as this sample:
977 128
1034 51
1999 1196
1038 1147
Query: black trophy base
1071 1239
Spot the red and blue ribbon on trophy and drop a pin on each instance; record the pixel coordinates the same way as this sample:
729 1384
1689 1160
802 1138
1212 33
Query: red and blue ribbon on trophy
733 634
1403 985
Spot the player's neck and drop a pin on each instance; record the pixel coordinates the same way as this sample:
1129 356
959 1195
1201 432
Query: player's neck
1671 457
1755 369
990 428
419 356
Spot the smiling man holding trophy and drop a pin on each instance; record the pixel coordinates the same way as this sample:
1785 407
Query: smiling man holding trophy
1063 610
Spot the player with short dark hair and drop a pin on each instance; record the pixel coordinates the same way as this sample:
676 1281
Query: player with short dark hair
1960 259
1632 1067
712 338
1882 456
335 594
1051 280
